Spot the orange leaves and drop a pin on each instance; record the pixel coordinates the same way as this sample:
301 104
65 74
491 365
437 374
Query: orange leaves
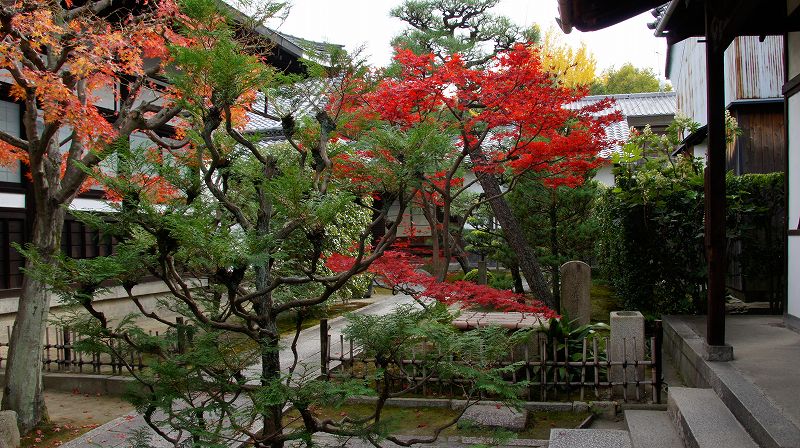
155 188
10 155
85 56
38 27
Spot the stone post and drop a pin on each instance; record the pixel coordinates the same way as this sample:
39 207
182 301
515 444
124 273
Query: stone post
576 281
627 344
482 272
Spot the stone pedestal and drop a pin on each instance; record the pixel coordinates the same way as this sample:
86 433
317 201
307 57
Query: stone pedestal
627 343
576 281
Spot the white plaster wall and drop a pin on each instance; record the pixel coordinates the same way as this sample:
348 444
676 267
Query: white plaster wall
793 123
701 152
605 175
794 161
474 185
793 279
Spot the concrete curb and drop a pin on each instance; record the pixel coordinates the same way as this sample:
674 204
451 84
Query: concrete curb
85 383
597 407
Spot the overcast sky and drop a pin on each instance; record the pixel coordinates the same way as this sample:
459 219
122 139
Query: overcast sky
366 22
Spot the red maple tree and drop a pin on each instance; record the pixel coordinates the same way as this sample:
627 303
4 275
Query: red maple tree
510 118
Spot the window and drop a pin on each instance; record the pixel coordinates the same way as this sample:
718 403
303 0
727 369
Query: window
10 123
12 230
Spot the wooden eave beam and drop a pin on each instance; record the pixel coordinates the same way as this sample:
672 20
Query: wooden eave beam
593 15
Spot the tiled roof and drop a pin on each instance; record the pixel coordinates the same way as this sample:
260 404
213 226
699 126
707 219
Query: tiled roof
292 44
301 99
619 131
630 105
638 104
317 47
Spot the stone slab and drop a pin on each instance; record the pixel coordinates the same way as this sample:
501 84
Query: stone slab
703 421
495 416
589 438
652 429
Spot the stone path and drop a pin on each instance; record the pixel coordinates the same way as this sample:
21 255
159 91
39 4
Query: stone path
119 432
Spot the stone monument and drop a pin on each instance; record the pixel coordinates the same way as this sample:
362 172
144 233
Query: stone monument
576 281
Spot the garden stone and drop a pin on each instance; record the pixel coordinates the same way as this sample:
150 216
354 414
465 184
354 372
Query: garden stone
495 416
627 343
576 281
9 433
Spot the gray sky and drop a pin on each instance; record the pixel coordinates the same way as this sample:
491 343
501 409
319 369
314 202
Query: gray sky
367 22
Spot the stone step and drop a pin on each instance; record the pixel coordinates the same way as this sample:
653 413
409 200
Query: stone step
589 438
703 421
652 429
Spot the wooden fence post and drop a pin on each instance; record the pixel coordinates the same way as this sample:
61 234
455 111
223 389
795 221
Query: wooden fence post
323 345
67 344
659 336
181 330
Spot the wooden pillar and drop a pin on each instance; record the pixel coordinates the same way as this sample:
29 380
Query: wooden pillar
715 175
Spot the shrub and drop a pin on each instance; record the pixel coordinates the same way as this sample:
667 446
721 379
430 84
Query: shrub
472 276
651 247
504 281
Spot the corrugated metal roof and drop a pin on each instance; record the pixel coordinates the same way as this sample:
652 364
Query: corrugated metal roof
636 104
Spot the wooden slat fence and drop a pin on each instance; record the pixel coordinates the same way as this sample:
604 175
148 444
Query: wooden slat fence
549 373
59 353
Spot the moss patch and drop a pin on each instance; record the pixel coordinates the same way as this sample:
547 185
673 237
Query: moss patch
603 300
424 421
52 435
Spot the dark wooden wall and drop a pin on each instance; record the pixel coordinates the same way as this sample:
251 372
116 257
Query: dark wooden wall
762 146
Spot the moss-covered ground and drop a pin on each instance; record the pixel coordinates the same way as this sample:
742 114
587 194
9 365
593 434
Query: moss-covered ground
414 421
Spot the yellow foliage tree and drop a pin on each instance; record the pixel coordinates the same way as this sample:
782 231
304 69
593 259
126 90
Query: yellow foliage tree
573 66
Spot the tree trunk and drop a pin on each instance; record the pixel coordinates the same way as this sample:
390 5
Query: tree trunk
518 288
554 251
528 263
270 372
23 380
